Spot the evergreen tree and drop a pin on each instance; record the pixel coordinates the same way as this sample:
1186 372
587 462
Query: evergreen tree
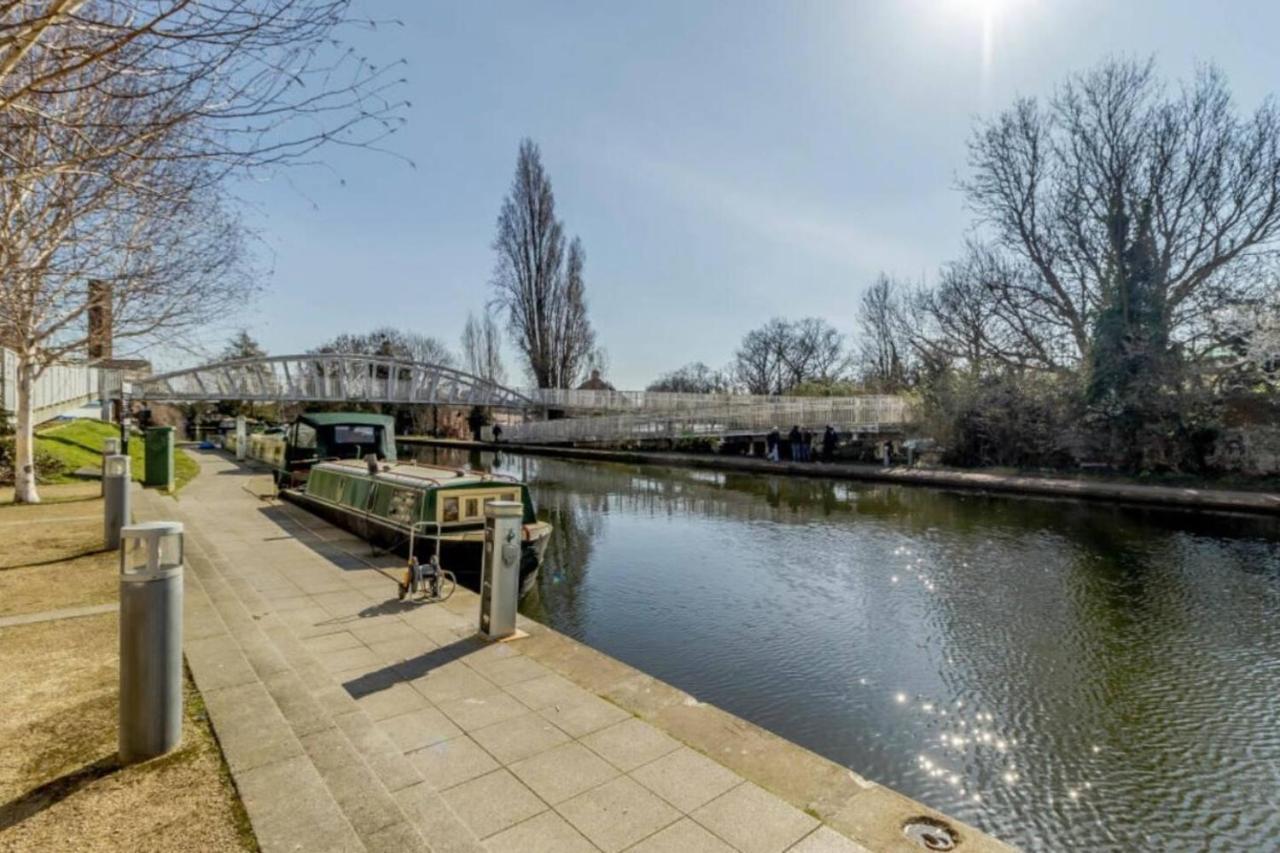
1132 377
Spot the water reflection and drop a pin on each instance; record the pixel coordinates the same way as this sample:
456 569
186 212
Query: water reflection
1064 675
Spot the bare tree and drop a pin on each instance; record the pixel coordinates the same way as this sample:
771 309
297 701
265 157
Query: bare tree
813 352
118 121
1050 179
391 342
883 354
247 84
537 281
482 349
783 354
148 227
693 378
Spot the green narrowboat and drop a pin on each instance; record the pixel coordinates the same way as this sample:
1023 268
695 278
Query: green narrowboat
440 510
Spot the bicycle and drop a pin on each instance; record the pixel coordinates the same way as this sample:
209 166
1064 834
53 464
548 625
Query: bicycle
429 579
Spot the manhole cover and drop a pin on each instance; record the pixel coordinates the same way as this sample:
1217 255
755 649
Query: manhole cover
930 834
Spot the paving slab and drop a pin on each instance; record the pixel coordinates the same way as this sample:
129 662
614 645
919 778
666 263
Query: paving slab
618 814
431 815
490 803
686 779
291 809
754 821
545 833
563 772
250 728
519 738
683 836
452 762
630 744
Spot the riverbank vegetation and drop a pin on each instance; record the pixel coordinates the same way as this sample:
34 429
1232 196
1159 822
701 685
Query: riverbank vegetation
1117 303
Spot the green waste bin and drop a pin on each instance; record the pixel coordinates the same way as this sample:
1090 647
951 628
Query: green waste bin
158 470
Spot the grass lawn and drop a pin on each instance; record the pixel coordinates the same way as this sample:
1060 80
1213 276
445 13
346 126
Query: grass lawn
79 444
61 785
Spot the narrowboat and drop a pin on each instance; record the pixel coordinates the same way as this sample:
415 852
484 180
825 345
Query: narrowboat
343 467
440 510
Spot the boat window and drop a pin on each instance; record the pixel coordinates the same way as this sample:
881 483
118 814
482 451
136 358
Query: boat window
450 511
304 436
401 505
343 434
508 497
473 507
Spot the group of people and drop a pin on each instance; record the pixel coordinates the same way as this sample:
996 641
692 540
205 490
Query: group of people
800 444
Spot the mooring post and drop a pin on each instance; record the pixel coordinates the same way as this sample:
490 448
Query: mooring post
115 494
500 573
150 640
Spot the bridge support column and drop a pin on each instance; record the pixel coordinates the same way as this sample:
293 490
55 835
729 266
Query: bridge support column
242 438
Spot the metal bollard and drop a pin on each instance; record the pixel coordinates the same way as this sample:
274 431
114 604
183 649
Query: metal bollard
116 501
150 640
110 447
500 574
242 438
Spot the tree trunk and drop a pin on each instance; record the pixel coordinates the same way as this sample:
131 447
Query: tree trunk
24 462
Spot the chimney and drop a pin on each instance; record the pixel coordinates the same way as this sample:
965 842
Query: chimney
99 311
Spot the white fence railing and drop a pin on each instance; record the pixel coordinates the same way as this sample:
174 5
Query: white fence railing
569 399
813 413
61 386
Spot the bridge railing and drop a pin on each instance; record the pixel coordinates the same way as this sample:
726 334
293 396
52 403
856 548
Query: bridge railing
813 413
60 387
569 399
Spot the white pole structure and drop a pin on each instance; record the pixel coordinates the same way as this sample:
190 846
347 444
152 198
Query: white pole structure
242 438
150 640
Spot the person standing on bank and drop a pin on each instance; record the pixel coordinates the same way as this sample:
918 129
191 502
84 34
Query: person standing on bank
793 438
828 444
771 442
497 433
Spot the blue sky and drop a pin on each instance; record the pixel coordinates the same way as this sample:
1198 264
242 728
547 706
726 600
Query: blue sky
723 162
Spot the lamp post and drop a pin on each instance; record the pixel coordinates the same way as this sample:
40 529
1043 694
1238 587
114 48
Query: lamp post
150 640
115 494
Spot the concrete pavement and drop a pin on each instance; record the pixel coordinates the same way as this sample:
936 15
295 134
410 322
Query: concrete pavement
352 721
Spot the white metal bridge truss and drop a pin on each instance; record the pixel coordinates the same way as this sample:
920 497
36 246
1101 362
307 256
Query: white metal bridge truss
327 378
599 416
749 416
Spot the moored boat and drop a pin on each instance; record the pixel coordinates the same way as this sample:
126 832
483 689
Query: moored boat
440 510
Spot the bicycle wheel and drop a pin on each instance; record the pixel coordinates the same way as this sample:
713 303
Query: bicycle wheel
447 585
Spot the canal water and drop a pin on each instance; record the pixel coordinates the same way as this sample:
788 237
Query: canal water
1063 675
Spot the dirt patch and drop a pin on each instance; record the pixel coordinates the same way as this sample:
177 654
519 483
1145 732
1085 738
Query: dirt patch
61 787
53 586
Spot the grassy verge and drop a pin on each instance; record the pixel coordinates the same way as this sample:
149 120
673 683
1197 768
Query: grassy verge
78 444
61 785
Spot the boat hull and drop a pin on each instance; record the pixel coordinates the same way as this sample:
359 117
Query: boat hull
462 558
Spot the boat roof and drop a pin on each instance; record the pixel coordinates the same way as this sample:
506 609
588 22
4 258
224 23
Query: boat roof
422 476
340 418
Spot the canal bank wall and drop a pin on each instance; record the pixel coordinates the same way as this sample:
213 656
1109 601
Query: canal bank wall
1218 500
352 720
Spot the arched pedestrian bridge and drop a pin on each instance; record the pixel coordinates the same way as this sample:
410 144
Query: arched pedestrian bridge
327 378
591 416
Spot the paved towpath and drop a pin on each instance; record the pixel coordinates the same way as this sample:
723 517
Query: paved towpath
354 722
